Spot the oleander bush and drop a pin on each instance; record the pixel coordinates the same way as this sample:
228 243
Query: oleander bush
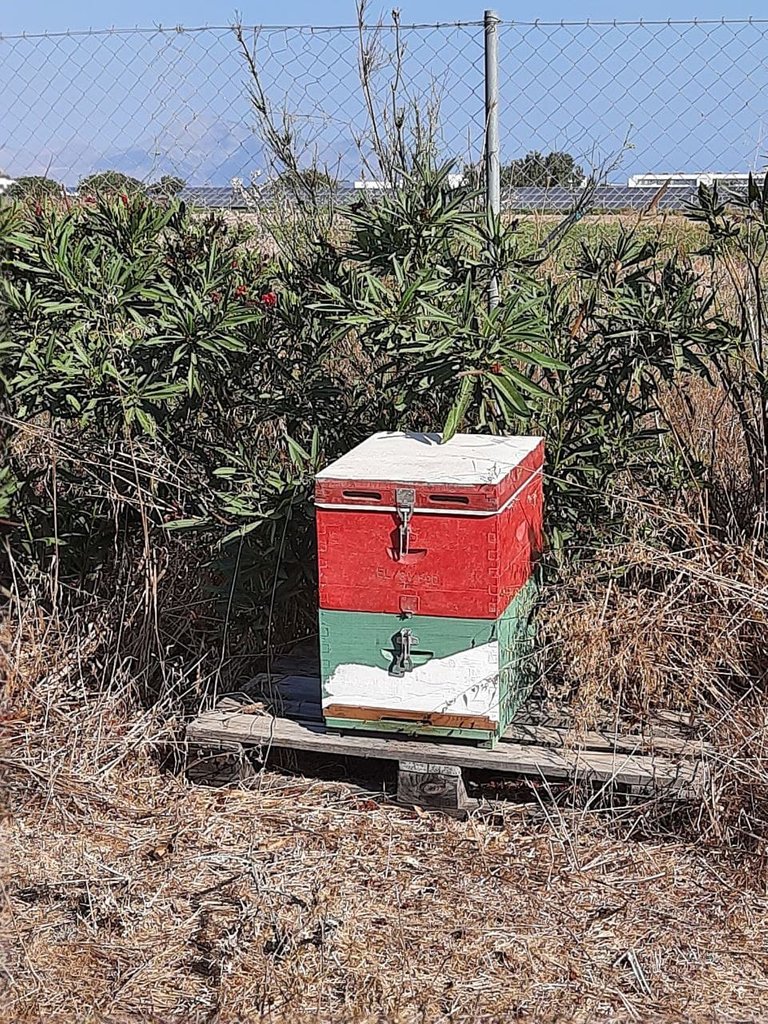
169 390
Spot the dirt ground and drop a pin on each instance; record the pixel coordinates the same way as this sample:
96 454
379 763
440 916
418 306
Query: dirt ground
129 894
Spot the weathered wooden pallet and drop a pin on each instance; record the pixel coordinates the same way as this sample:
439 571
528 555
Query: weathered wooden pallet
284 711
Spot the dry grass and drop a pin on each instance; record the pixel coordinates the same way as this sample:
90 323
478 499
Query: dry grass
643 626
128 894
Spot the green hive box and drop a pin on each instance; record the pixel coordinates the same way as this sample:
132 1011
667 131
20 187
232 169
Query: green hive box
429 675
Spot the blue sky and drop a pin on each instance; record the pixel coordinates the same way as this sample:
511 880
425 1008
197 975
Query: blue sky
54 15
634 98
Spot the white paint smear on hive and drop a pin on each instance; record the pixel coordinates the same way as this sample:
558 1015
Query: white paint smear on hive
466 683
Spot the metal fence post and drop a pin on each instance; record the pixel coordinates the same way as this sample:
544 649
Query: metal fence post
492 169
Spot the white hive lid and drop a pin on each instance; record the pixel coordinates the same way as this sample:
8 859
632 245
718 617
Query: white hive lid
410 457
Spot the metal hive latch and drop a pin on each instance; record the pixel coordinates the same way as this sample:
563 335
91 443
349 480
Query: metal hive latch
404 641
405 499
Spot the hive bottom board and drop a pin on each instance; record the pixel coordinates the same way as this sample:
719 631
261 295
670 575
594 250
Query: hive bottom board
426 675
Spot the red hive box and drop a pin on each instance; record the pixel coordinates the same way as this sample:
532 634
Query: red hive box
406 524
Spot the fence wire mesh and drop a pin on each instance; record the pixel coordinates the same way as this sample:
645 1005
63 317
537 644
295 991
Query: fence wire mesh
614 100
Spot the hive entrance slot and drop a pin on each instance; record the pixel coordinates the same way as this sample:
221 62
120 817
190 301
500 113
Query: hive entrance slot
362 495
449 499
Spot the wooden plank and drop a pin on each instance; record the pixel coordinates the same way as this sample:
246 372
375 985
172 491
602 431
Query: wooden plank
536 735
629 743
299 696
684 777
659 724
437 718
409 730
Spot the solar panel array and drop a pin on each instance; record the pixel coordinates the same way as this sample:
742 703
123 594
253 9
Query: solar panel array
605 198
212 197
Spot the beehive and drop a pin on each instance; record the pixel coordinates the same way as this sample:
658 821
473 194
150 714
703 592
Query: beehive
426 556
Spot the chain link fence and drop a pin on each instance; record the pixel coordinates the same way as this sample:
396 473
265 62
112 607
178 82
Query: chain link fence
612 99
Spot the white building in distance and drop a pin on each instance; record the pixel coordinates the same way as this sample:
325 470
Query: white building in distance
692 180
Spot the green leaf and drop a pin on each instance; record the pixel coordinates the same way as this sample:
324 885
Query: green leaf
523 383
241 532
458 409
538 358
185 524
508 392
147 422
298 456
